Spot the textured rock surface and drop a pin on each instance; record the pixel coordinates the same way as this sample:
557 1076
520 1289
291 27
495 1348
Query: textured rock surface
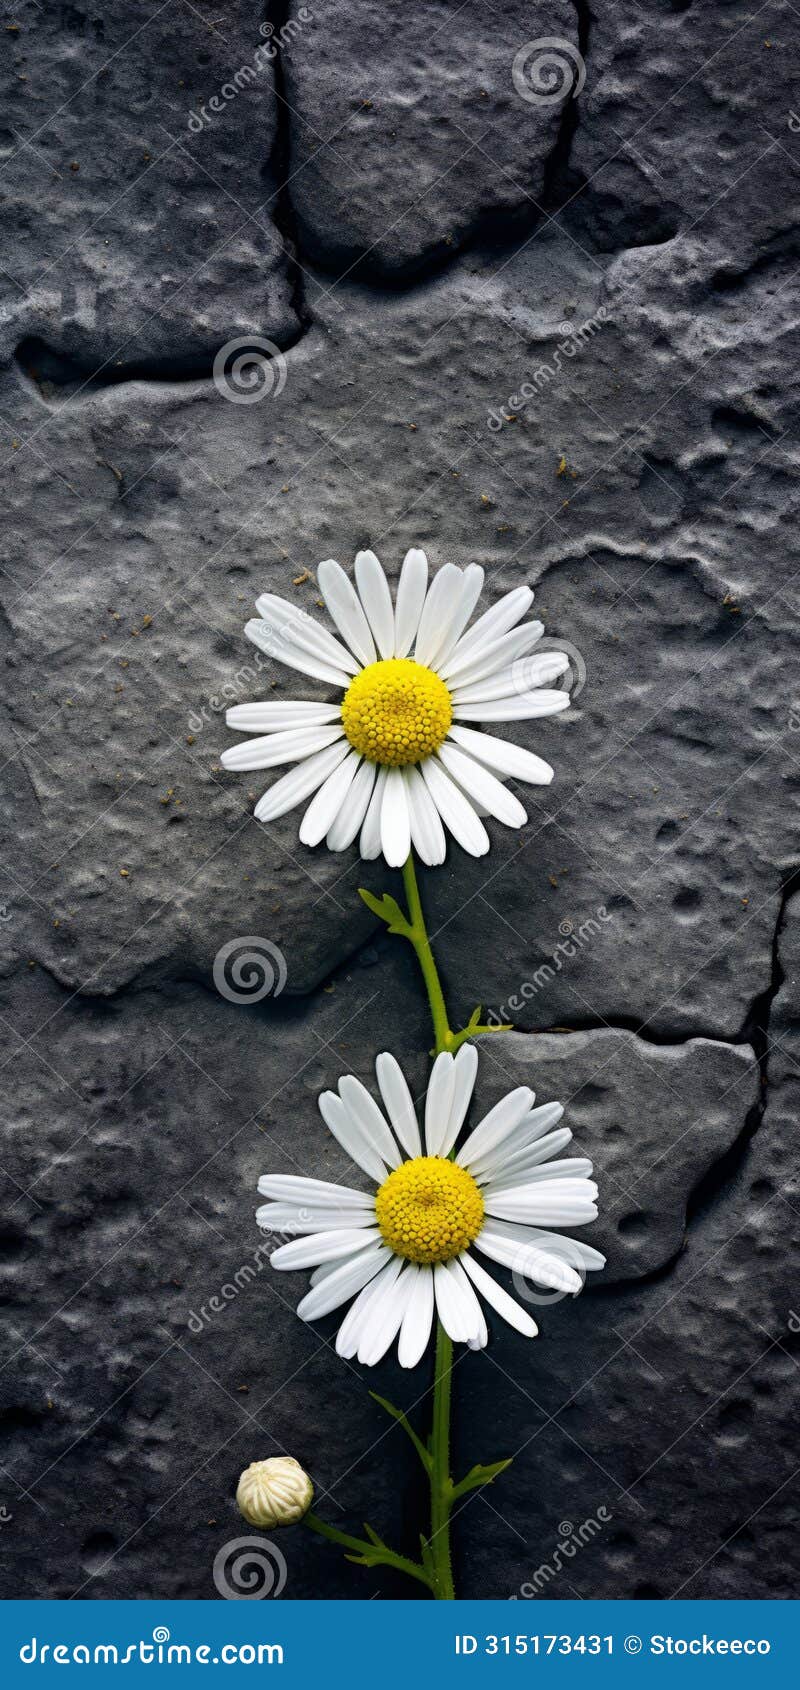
568 350
429 140
134 236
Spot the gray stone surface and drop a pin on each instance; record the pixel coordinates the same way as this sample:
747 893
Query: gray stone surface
654 1119
429 142
631 256
132 237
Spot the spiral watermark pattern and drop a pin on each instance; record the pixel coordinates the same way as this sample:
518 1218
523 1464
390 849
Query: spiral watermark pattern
249 1569
548 71
248 969
249 369
526 671
161 1634
566 1251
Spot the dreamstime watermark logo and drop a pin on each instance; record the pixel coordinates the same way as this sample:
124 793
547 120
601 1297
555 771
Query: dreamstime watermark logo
5 914
247 74
6 1516
249 369
248 969
248 1569
240 1280
572 1540
573 940
548 71
228 694
573 341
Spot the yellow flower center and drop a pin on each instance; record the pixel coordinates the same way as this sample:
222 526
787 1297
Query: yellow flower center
429 1210
396 711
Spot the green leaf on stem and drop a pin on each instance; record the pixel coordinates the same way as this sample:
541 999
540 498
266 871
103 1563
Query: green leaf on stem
403 1420
388 909
480 1475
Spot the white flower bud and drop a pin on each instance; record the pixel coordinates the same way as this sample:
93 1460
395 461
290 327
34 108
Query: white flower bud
276 1492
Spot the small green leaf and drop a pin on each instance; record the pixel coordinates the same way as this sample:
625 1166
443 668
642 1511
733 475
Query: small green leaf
388 910
481 1475
403 1420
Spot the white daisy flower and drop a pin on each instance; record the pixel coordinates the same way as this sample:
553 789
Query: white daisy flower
396 760
409 1249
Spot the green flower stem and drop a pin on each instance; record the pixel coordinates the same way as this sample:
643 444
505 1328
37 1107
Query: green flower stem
418 935
412 927
441 1482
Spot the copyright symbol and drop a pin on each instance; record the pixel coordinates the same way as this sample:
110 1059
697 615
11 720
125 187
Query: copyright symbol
633 1644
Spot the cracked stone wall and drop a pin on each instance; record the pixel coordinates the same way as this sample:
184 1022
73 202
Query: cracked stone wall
557 336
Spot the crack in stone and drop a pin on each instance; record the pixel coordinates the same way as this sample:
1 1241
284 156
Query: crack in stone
57 376
279 167
556 170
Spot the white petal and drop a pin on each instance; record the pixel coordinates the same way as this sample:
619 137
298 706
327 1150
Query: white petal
384 1319
437 613
284 651
496 620
519 1168
513 762
482 1338
427 833
369 844
409 600
349 1334
285 1217
464 1071
582 1255
480 784
271 749
301 630
365 1111
325 807
496 1126
417 1320
479 1335
520 707
270 716
545 1203
497 1298
399 1102
347 823
457 815
346 609
531 1128
296 1188
342 1282
521 677
291 789
457 1305
438 1102
322 1247
527 1259
351 1136
487 659
468 594
376 598
395 820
